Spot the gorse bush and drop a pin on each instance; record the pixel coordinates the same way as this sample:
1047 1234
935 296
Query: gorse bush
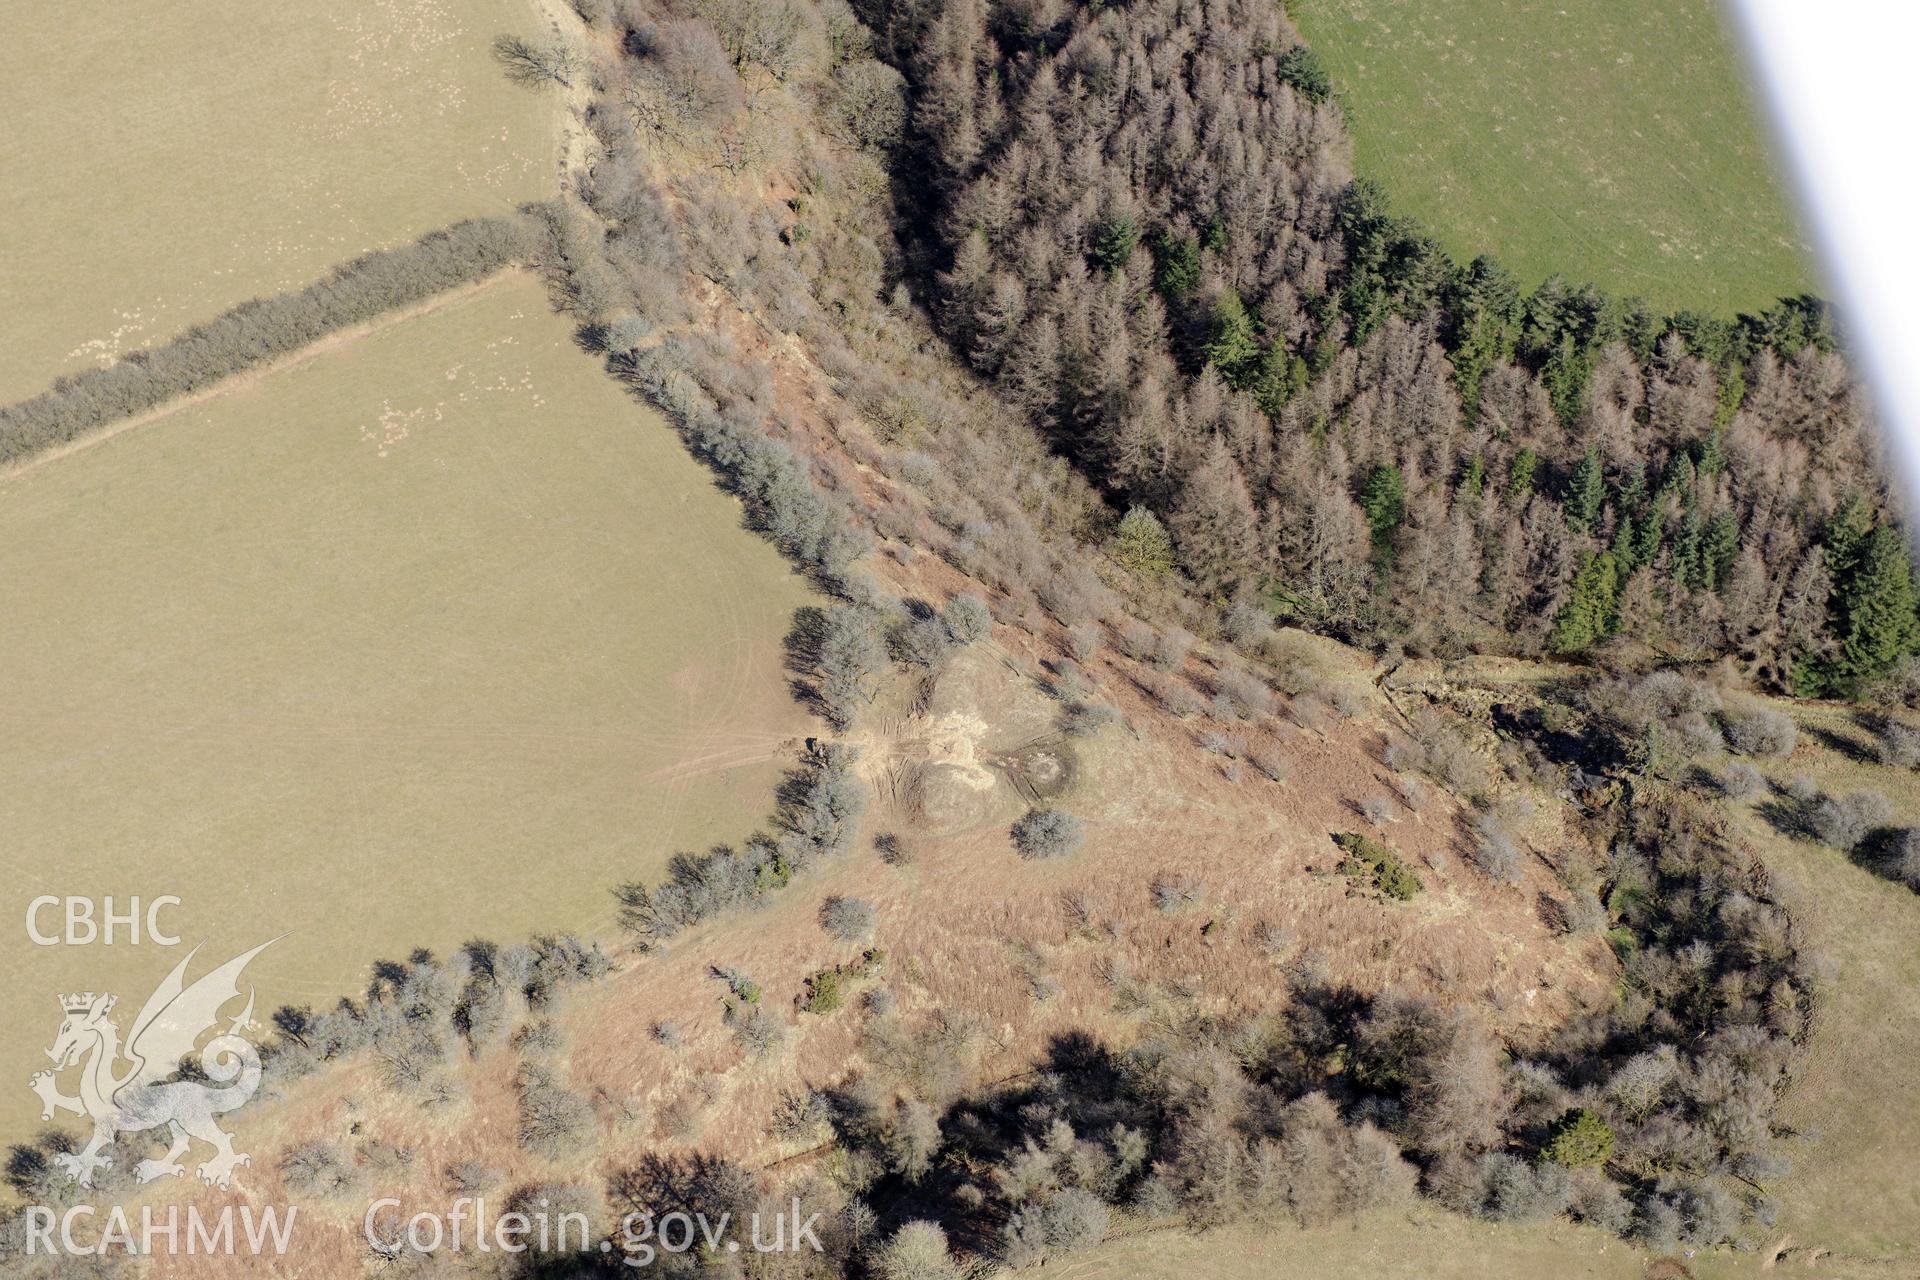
1375 864
824 993
826 990
743 987
255 332
1582 1137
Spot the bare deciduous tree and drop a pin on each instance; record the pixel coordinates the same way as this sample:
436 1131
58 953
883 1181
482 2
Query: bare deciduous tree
535 63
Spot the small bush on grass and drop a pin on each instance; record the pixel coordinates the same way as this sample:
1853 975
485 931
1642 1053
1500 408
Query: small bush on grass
848 919
1348 700
1176 893
1495 851
967 619
758 1031
1759 731
1269 762
1084 719
317 1168
1171 649
1899 745
1742 781
1845 823
1903 860
467 1177
1246 624
1137 640
917 1251
1047 833
554 1120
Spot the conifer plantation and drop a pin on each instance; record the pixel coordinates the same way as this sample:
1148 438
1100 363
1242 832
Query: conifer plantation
1148 234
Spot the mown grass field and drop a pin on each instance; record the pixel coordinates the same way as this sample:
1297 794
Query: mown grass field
434 634
1615 141
165 162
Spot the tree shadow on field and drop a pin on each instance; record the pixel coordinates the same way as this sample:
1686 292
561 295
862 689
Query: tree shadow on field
1855 749
1552 913
591 339
1706 781
1786 813
1879 852
801 657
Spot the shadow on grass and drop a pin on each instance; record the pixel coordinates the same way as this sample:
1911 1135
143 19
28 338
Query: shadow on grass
801 658
1858 750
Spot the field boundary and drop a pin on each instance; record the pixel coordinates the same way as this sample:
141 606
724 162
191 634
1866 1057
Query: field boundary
258 333
248 377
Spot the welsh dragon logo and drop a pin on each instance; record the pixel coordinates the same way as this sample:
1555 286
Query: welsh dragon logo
149 1091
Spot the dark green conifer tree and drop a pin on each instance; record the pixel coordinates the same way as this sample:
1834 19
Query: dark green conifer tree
1586 491
1588 615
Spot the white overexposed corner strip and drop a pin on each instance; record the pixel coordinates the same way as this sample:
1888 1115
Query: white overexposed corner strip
1843 91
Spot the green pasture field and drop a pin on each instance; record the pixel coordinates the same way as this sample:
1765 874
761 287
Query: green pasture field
1855 1188
1612 141
163 162
433 634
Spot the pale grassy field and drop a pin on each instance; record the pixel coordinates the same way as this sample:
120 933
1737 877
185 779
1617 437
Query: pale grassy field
163 162
1424 1243
434 635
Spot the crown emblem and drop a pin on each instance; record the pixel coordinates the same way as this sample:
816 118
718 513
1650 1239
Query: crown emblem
77 1003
